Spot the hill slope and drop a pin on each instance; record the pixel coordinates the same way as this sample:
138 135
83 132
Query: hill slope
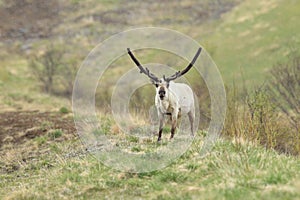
78 27
250 39
43 158
255 36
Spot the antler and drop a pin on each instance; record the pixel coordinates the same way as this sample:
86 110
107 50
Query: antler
142 69
180 73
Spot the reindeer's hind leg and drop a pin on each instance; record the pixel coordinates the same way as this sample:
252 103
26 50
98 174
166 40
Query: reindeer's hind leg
173 129
174 118
191 118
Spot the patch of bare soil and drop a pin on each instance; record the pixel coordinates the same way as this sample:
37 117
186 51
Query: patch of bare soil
17 127
26 135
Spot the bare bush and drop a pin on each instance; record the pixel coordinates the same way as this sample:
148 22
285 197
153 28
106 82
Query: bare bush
270 114
46 66
254 118
284 88
55 69
67 76
263 118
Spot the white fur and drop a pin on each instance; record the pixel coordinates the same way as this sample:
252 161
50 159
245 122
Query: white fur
178 100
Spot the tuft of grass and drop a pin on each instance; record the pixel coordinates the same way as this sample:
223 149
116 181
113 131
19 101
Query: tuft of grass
275 178
55 134
106 124
133 139
136 149
40 140
166 129
192 166
64 110
170 176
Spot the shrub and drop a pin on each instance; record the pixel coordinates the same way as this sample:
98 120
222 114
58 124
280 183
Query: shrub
55 69
46 66
270 114
252 117
284 87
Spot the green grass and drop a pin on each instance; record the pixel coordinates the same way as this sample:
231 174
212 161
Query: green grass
64 110
55 133
245 43
254 37
248 40
229 171
19 89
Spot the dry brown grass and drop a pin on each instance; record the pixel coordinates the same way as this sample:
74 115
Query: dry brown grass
254 118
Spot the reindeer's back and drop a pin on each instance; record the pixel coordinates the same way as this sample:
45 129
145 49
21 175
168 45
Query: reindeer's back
184 94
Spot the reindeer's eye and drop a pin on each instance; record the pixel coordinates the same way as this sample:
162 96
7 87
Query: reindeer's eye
156 85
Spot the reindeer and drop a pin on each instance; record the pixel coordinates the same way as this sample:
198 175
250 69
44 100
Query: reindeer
171 98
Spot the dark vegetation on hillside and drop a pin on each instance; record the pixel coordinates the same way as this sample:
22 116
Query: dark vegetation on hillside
38 19
23 19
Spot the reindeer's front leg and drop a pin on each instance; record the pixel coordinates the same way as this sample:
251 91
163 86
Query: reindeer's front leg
161 125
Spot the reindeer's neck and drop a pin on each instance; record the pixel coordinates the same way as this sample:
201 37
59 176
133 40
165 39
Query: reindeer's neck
164 104
167 105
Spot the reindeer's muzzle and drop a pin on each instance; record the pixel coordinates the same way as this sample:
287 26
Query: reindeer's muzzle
162 93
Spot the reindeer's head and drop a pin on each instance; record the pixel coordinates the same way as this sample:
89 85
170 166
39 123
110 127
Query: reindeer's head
162 88
162 84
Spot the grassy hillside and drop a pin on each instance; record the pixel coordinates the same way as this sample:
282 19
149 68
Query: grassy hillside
20 91
61 169
41 156
244 42
78 27
254 37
